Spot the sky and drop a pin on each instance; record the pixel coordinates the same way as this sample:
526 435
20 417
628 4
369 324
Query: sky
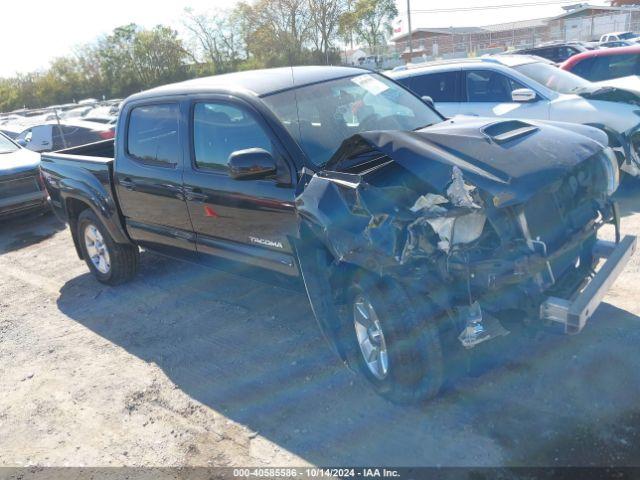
37 31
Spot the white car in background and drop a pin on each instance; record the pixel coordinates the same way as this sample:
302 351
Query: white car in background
523 86
619 36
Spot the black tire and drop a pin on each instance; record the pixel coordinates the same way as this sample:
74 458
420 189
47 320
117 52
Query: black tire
123 257
415 365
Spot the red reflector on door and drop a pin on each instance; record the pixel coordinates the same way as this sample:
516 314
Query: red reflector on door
210 212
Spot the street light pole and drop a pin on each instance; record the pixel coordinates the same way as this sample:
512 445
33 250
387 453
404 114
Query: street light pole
409 26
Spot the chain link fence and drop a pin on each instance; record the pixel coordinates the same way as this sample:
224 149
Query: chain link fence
434 44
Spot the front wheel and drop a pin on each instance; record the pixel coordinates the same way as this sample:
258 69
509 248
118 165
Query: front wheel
394 341
111 263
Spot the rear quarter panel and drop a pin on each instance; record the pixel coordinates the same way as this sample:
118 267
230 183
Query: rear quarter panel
87 180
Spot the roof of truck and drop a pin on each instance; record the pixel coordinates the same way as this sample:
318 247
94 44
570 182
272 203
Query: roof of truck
258 82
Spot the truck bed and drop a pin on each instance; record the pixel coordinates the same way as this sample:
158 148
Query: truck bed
94 159
102 149
85 171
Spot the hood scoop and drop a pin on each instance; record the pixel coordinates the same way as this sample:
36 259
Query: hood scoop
510 159
502 132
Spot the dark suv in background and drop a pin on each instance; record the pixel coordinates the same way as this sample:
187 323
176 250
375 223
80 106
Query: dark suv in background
557 53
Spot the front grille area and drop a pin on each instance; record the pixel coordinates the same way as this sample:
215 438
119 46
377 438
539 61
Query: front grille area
554 216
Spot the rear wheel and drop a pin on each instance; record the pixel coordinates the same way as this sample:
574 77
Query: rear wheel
393 340
112 263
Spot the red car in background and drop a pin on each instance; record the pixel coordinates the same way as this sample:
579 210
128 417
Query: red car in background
607 65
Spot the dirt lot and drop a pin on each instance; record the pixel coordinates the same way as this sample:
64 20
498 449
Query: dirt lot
188 366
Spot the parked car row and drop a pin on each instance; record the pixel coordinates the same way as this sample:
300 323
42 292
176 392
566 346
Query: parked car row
54 136
559 52
416 238
61 126
26 133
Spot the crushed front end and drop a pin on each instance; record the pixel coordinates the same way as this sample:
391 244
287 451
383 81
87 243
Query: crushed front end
479 236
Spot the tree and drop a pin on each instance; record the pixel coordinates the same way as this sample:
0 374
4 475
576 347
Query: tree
132 59
325 18
370 20
345 27
217 39
621 3
276 31
159 56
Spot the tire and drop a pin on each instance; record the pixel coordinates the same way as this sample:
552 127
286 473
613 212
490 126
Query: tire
414 354
120 263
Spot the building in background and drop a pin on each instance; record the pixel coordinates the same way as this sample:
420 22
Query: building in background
580 22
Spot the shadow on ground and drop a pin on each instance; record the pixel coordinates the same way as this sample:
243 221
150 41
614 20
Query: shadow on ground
252 352
26 230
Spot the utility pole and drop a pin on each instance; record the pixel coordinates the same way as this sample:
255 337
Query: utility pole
409 26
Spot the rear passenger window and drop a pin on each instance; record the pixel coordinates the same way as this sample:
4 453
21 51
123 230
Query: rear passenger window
441 87
219 129
153 135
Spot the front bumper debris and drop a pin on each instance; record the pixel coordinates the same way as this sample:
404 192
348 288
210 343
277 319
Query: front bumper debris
574 313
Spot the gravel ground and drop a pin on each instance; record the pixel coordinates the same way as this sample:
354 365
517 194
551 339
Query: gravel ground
193 367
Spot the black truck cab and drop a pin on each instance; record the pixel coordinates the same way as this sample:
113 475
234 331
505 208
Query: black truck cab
177 193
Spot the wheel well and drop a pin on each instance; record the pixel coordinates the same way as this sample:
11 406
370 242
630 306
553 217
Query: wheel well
74 208
339 274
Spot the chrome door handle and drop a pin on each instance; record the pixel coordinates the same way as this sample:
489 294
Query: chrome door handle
192 194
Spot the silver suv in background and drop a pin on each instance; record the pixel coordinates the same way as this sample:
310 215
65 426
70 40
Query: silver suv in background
524 86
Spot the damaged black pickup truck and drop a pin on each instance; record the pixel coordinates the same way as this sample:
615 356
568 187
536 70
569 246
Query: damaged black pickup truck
413 235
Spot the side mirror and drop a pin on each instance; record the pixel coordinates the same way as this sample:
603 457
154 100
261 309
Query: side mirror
428 100
251 164
524 95
22 142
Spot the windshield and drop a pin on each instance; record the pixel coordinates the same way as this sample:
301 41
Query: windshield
553 78
627 36
6 145
322 115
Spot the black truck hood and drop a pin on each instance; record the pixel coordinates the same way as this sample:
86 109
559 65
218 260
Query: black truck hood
509 159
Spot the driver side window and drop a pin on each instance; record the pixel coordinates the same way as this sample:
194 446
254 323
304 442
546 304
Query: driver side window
490 87
219 129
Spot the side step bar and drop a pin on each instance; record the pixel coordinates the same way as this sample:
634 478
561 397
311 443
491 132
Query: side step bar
575 313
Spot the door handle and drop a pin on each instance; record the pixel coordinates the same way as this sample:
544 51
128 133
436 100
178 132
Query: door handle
176 190
194 194
127 183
